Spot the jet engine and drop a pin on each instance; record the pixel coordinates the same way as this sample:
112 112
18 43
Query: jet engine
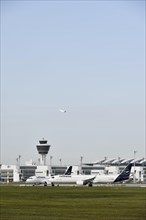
80 183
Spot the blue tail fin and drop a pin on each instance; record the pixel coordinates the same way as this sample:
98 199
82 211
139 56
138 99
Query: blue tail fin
68 171
124 175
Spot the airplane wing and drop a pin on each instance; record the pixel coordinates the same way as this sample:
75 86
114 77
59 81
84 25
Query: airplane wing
85 182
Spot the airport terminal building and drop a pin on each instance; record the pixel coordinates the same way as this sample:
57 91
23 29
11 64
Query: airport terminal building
13 173
17 173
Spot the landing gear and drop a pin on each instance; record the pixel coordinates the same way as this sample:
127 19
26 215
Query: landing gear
45 183
90 184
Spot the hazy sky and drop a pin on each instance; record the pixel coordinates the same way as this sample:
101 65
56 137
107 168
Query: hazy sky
87 57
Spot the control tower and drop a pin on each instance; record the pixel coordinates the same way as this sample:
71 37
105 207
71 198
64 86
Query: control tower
43 149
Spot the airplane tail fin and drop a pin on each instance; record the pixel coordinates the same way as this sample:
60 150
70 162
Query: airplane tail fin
68 171
124 175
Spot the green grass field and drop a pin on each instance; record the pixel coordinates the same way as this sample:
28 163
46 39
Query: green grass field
67 203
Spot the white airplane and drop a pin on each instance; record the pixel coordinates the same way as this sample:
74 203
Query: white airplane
36 180
112 178
70 179
62 110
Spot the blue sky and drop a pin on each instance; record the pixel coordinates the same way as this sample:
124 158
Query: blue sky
87 57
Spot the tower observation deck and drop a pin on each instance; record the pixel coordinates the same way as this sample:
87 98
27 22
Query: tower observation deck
43 149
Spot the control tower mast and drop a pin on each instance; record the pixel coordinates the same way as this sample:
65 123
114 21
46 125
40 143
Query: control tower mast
43 149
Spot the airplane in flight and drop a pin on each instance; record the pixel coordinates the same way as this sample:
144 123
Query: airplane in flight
112 178
62 110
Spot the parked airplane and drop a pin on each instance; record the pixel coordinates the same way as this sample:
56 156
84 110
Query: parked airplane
70 179
36 180
112 178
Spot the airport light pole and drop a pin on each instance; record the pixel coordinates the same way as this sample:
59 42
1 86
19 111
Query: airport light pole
134 166
17 162
19 167
51 164
119 164
105 164
60 161
81 164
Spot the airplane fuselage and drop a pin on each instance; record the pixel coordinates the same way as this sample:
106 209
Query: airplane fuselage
105 178
74 179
